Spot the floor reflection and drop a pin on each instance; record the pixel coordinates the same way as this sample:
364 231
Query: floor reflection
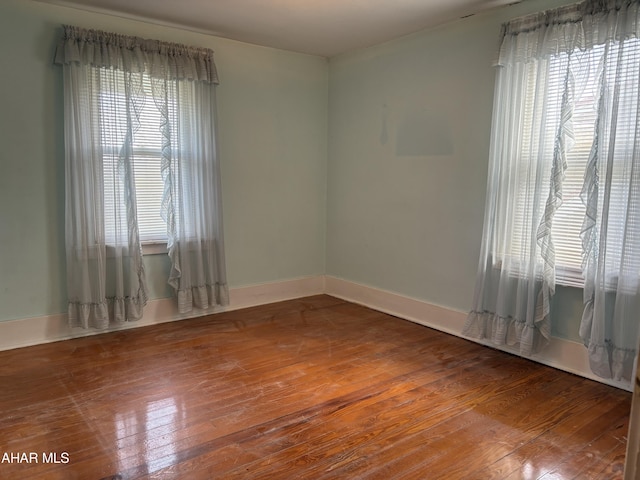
148 436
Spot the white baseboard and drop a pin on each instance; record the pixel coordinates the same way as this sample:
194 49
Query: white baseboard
52 328
561 354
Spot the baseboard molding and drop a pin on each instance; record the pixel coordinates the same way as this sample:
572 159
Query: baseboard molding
561 354
52 328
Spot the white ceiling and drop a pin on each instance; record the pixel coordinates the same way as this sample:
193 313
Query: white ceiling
318 27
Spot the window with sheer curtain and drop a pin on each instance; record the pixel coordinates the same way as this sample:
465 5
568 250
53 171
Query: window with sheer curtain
563 192
569 216
141 166
146 157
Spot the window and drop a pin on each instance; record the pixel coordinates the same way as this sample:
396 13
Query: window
585 69
563 191
141 166
146 156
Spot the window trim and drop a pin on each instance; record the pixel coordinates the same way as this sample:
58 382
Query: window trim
154 248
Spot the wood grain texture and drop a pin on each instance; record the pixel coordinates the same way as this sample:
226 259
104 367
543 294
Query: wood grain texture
313 388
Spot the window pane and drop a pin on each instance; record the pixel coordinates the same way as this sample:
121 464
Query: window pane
146 155
586 72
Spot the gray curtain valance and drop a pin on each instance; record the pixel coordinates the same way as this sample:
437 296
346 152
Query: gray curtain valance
579 26
134 54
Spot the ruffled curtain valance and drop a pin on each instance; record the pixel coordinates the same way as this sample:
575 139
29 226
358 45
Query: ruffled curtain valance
575 27
172 61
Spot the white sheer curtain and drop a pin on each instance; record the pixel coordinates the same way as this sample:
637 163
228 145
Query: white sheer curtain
611 230
553 65
104 89
192 199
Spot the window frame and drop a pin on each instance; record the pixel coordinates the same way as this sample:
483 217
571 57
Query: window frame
156 243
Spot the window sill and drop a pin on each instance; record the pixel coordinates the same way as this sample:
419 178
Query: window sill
565 276
157 248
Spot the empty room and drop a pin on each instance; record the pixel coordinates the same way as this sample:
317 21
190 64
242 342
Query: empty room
320 239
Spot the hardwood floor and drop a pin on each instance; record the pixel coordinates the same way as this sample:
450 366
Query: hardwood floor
315 388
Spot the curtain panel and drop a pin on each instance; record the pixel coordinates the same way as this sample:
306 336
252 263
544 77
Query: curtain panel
551 66
106 87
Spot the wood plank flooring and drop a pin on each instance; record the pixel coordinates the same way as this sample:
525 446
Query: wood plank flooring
315 388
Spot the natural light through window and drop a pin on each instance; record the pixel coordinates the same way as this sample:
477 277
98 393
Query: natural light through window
586 71
146 155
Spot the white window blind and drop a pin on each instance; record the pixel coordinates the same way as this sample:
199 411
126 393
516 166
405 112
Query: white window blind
586 69
146 155
568 219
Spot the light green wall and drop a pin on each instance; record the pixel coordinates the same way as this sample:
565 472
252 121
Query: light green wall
394 189
409 128
273 145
